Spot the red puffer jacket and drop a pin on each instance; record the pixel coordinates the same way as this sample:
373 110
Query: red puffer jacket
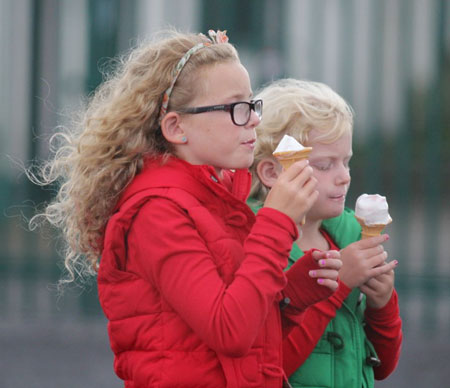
191 282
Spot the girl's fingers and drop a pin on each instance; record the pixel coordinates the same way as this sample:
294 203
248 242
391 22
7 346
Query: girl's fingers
331 284
328 259
304 179
304 182
333 254
317 255
310 184
324 273
296 170
330 263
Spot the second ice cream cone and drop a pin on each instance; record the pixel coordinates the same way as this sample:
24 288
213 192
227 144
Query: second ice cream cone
371 230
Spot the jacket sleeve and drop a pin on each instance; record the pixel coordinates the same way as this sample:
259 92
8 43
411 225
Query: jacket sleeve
172 256
303 290
384 330
303 338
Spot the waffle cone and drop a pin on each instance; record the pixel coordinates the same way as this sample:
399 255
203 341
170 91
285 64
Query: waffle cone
287 158
371 230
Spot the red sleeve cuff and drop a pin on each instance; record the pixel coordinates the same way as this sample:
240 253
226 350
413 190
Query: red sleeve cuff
388 313
301 289
340 295
272 235
279 219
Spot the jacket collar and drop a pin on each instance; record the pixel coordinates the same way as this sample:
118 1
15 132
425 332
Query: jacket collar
199 180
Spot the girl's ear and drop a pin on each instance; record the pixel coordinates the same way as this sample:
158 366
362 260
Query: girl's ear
268 170
171 128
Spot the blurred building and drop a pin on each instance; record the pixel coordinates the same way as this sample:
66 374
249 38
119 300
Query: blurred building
389 58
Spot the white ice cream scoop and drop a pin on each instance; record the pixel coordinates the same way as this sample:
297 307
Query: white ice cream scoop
290 151
372 213
373 209
288 143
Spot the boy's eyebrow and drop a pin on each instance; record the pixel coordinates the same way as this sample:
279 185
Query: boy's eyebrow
328 156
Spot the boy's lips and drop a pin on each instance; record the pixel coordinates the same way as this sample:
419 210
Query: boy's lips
338 197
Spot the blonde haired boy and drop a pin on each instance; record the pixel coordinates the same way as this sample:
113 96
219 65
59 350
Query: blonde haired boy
355 335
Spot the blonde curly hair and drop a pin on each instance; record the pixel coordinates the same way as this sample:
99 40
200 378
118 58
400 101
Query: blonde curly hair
295 107
95 159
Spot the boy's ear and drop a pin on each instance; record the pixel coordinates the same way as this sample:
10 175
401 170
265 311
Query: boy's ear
171 128
268 170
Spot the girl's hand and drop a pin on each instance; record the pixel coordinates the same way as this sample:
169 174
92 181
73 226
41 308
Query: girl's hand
330 263
363 260
379 290
294 192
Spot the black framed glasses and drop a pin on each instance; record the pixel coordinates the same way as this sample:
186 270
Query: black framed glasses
240 111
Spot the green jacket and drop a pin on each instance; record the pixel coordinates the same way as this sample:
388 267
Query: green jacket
341 357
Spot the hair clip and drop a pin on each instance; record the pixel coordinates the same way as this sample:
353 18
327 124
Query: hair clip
218 36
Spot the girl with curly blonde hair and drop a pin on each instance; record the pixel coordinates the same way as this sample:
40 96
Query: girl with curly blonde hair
152 196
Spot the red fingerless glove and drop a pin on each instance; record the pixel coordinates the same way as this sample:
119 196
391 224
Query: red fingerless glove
302 290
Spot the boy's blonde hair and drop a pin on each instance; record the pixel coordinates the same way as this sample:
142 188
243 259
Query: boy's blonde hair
295 107
99 155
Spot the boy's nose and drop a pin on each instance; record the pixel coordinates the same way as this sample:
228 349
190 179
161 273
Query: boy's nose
344 175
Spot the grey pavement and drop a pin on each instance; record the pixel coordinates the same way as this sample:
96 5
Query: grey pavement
76 354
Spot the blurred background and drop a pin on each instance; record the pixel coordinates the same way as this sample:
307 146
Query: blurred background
389 58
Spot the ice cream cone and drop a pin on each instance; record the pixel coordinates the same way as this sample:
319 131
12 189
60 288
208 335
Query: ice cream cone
287 158
371 230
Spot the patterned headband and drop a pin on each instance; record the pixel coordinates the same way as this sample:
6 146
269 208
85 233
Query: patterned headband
215 38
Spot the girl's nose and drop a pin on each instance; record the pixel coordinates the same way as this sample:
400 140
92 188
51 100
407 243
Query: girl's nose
254 120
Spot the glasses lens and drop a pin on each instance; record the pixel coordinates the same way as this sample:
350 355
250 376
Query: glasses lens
258 107
241 113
